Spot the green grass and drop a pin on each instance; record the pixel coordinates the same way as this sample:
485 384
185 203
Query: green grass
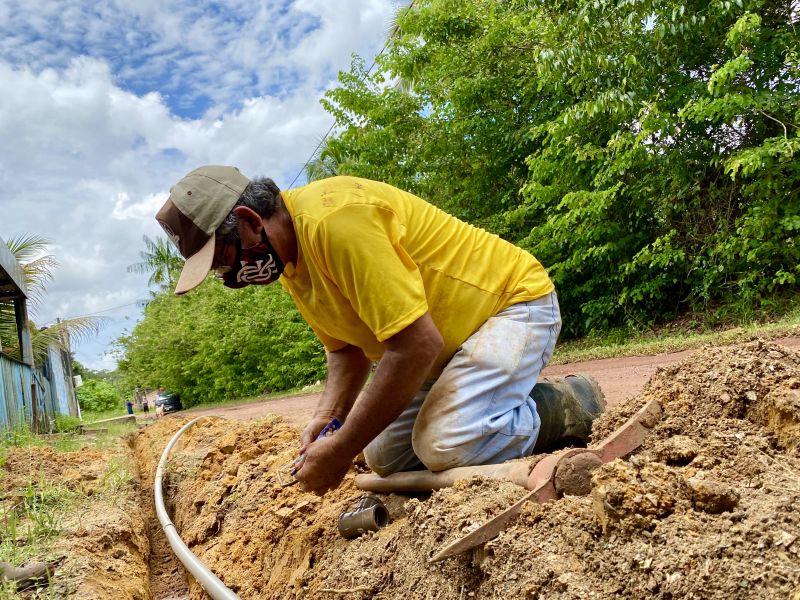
90 416
31 521
117 476
689 334
67 423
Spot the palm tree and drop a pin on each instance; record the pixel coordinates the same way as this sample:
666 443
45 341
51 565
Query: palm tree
403 82
161 260
331 159
37 267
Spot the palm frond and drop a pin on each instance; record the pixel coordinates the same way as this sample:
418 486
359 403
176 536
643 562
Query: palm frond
8 327
160 259
37 266
64 334
26 247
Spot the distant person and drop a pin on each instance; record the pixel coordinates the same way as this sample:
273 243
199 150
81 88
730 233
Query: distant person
145 407
460 321
129 406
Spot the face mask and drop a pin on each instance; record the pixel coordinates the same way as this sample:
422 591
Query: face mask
257 265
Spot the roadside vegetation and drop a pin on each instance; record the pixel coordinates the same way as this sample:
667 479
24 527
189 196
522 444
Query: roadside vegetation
37 500
673 337
644 151
100 396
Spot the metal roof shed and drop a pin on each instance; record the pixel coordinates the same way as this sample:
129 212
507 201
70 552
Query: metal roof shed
13 289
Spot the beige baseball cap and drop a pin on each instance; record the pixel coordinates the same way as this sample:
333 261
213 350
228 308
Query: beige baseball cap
197 205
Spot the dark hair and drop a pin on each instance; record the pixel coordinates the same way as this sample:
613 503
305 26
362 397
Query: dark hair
261 195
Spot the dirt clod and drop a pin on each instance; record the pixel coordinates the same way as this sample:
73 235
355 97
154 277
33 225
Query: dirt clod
712 496
677 450
574 474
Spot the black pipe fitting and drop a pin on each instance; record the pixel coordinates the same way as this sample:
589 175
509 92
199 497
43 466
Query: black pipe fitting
369 514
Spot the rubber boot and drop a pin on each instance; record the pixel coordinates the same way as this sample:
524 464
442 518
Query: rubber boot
567 406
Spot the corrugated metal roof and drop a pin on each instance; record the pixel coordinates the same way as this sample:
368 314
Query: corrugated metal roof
12 279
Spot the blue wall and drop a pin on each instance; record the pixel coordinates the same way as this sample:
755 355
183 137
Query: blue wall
54 393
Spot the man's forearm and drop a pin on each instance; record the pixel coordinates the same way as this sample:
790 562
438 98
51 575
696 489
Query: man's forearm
401 371
347 371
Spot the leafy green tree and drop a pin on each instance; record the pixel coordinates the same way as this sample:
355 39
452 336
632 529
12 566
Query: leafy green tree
331 159
216 344
98 396
644 150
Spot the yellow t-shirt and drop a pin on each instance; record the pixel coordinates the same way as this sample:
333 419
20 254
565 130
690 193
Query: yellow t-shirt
372 259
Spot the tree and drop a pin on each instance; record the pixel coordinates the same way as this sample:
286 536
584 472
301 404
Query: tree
217 343
98 396
644 151
331 159
160 260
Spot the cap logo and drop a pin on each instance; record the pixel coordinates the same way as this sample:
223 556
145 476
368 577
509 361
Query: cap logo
176 239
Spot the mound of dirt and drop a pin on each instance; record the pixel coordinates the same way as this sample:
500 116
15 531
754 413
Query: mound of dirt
709 507
79 471
87 500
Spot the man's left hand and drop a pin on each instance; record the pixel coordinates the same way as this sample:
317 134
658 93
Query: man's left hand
324 466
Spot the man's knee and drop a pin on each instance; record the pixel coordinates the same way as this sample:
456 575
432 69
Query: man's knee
437 453
385 456
378 462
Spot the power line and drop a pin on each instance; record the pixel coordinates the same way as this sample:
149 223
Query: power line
330 129
105 310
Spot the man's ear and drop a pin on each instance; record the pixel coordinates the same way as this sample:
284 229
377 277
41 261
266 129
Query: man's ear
250 225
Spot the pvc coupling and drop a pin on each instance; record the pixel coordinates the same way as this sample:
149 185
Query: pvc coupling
369 514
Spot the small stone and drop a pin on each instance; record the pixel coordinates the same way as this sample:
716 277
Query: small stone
677 450
785 539
712 497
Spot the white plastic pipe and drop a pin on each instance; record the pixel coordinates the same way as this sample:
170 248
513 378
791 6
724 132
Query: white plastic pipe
210 582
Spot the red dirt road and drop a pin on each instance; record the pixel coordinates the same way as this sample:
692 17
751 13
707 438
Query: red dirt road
618 378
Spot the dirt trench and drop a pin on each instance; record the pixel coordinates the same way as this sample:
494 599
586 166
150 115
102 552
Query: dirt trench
709 507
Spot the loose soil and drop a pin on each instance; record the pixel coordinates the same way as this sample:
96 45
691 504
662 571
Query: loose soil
708 507
102 548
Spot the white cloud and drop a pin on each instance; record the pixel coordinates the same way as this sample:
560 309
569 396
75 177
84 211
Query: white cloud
94 127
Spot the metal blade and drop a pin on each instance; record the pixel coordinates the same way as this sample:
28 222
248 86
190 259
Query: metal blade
628 437
485 532
542 472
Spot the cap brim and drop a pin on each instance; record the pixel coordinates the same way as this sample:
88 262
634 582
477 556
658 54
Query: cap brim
196 268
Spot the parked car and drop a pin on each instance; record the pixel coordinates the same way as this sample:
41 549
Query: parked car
168 401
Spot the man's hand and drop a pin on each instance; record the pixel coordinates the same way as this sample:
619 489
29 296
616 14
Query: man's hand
312 430
406 361
324 466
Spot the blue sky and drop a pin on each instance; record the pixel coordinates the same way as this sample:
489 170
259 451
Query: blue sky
106 104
